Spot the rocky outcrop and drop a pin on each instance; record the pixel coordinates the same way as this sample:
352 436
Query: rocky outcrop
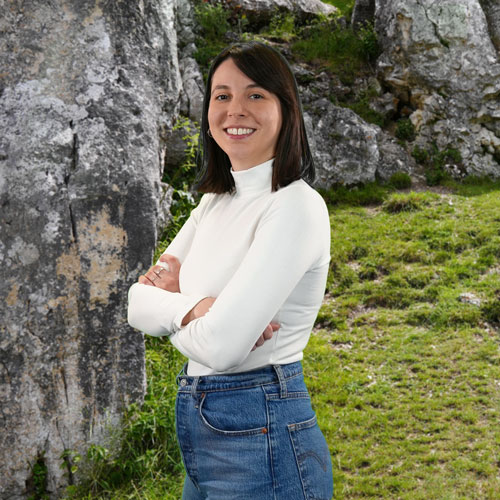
258 11
347 150
440 62
84 87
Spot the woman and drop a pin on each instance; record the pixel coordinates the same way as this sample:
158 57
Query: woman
239 288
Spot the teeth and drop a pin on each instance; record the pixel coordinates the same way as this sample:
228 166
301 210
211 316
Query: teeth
239 131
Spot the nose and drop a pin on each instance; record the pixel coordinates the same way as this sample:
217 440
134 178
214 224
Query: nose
236 107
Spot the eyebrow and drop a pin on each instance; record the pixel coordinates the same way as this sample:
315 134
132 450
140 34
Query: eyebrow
226 87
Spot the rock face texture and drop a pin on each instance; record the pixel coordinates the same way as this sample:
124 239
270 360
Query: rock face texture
84 87
440 60
262 10
346 149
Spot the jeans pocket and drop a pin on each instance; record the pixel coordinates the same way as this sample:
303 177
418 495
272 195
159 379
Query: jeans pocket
234 413
313 459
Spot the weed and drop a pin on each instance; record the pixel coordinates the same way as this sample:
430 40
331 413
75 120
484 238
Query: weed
344 51
400 180
371 193
38 481
183 200
214 22
282 26
439 165
404 202
405 130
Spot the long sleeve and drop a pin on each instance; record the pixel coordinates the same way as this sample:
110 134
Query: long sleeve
289 240
158 312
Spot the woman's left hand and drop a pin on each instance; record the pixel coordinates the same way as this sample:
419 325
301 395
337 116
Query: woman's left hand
164 275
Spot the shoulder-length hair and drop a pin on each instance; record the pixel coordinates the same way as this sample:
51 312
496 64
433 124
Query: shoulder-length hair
293 159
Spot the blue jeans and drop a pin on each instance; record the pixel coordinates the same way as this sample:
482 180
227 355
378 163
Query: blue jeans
251 436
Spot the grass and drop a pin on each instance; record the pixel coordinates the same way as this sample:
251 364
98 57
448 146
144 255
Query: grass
404 377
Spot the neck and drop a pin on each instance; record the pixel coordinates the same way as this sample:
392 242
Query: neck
237 165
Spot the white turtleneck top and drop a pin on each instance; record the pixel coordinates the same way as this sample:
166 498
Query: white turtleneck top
264 255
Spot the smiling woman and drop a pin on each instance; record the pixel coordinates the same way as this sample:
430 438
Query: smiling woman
238 290
244 118
268 85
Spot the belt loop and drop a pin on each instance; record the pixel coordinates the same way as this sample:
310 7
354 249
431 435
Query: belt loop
281 378
194 386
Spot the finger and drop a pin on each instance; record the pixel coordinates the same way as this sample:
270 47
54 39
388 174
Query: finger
146 281
172 261
268 333
260 341
275 326
158 270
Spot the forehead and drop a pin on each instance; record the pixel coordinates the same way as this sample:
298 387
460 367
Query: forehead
229 75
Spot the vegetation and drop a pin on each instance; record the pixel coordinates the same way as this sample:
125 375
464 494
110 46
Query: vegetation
405 130
440 166
343 51
181 180
404 376
404 373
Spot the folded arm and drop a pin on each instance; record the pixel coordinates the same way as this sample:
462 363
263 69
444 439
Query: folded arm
285 246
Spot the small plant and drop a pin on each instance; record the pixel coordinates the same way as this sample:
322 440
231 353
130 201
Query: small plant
214 23
421 155
405 130
490 311
400 180
371 193
39 480
370 48
440 166
182 179
282 26
404 202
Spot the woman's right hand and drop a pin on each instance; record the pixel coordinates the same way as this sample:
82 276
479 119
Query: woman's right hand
204 305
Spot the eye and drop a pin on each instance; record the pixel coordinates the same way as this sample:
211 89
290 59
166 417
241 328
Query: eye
221 97
256 96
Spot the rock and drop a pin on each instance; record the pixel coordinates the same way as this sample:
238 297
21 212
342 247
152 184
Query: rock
470 298
439 60
84 86
386 105
261 11
347 150
193 88
363 13
491 10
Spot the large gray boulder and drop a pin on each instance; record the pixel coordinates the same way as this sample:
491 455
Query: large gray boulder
263 10
84 87
439 59
347 150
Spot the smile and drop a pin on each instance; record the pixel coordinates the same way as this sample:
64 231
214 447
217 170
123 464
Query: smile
240 131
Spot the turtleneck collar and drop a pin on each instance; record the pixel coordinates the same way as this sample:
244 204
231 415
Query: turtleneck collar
254 179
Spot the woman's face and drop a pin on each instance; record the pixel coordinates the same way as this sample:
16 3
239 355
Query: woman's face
244 118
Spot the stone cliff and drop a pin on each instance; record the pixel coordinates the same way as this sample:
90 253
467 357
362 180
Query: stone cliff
85 89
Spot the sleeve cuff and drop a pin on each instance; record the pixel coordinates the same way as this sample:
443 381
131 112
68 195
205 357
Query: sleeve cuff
157 312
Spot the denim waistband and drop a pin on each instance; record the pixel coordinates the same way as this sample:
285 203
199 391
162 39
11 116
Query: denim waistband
271 374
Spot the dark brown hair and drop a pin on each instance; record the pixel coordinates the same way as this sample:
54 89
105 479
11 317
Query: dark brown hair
269 69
